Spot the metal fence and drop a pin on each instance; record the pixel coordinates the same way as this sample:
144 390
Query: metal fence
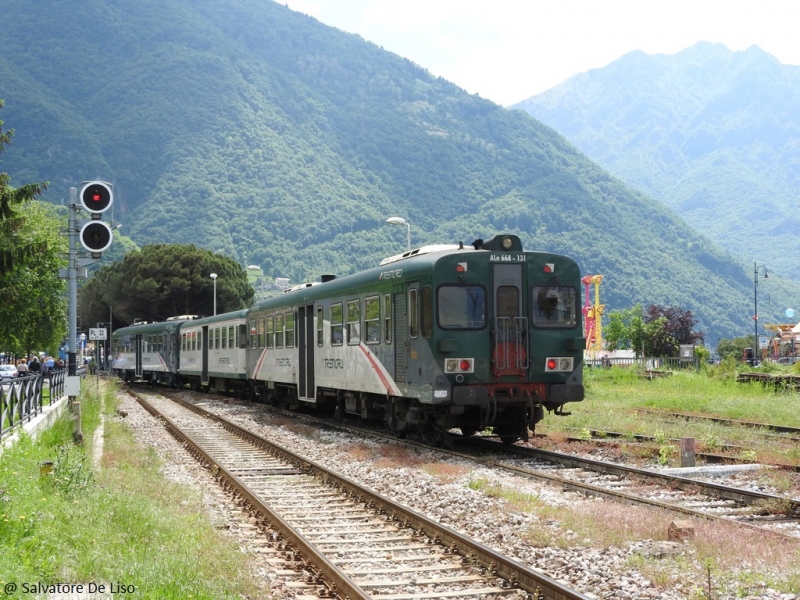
23 398
649 364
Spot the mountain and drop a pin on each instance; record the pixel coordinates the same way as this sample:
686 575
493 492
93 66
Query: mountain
249 129
714 134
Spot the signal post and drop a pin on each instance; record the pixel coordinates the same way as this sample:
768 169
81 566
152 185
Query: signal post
95 236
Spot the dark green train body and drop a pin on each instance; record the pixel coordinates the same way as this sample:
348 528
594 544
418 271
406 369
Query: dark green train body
443 337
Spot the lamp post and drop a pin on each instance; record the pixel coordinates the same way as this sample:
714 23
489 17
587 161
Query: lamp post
402 221
756 269
214 277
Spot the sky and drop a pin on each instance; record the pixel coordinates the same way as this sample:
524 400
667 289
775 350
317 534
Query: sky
509 50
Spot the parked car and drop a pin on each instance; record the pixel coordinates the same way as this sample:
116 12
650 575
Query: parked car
8 371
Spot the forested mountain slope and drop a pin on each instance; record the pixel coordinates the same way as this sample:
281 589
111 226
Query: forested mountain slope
252 130
712 133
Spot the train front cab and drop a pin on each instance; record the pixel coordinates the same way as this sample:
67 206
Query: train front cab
496 335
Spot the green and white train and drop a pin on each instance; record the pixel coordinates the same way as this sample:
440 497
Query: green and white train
435 339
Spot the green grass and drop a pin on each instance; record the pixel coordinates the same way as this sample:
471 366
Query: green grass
615 399
124 524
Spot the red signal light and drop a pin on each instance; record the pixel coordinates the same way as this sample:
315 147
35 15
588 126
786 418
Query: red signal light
96 196
465 365
551 364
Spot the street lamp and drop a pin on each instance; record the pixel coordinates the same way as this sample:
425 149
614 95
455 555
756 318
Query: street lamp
401 221
214 277
756 269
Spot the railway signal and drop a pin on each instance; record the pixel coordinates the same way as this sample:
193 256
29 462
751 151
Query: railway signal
96 235
97 196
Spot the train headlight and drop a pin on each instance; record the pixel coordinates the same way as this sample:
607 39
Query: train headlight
559 364
507 243
459 365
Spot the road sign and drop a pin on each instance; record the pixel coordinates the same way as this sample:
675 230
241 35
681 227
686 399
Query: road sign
98 334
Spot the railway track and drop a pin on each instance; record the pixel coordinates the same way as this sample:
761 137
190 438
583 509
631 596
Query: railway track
767 513
347 540
771 513
783 429
600 437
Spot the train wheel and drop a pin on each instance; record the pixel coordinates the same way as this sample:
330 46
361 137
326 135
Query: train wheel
434 436
397 417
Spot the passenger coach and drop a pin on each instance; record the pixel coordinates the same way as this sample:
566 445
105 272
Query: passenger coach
212 352
148 351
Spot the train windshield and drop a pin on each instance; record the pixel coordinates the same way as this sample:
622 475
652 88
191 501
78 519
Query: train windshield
462 307
554 307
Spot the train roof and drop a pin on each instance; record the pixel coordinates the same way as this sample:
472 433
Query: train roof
220 318
414 261
155 326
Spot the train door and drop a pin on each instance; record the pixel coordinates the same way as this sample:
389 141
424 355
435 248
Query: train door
510 353
413 342
305 352
205 342
400 335
137 350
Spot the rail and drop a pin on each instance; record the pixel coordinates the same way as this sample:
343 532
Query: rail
24 398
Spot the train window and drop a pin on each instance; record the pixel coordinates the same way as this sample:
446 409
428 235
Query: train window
507 301
199 335
279 331
290 329
261 331
353 321
426 311
387 318
413 314
270 333
183 342
336 324
231 336
221 333
320 326
461 307
554 307
372 319
253 335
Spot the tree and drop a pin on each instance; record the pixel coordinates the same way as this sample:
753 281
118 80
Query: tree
658 331
161 281
15 248
625 330
31 248
734 347
34 306
679 324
